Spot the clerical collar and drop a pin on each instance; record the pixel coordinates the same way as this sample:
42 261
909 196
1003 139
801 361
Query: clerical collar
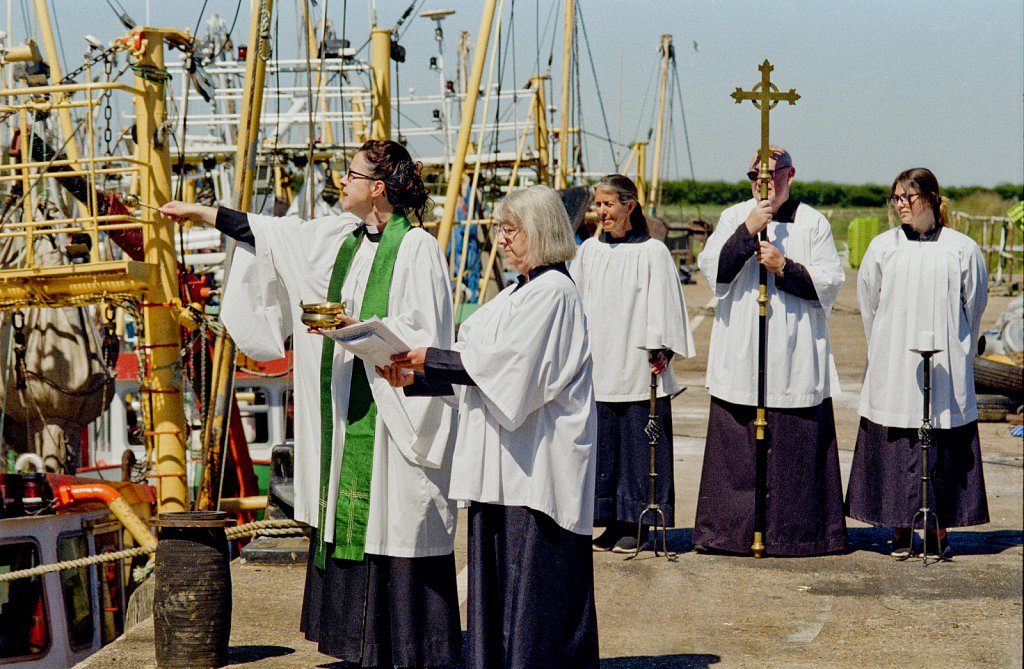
787 212
373 233
914 236
537 271
633 236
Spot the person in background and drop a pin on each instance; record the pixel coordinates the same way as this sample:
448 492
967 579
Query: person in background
524 454
919 284
803 495
631 294
372 465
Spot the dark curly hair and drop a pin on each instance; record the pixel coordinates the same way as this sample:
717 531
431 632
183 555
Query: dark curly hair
393 165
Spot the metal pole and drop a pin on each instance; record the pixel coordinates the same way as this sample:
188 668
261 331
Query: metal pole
466 125
161 330
50 48
655 197
563 132
641 173
380 91
222 380
538 106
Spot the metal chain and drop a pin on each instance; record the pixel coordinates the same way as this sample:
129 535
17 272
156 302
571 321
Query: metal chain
108 112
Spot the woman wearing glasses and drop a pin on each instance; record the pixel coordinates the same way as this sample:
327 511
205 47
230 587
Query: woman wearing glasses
920 285
523 458
372 478
630 289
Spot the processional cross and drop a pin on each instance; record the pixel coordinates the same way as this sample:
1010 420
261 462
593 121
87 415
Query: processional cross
765 97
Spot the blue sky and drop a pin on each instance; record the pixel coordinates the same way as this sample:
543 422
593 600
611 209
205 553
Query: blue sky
884 85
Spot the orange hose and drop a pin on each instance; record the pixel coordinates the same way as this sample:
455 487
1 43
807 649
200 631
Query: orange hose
69 494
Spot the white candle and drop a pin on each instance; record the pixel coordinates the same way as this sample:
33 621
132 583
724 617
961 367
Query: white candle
926 341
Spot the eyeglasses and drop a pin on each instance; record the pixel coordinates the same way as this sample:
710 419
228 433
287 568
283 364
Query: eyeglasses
754 175
906 198
509 232
352 174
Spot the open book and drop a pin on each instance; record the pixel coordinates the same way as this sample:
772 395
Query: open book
370 340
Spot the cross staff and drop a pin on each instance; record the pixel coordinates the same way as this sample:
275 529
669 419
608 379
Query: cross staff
765 97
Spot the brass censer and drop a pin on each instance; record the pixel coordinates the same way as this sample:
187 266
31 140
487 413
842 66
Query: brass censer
322 315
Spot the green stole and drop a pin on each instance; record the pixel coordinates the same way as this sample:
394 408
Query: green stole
353 507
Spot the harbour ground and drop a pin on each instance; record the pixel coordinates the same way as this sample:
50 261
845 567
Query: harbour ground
858 609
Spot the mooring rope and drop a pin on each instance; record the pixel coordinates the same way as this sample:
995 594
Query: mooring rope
278 528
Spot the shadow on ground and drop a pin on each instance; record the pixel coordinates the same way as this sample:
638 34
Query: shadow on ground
876 539
246 654
687 661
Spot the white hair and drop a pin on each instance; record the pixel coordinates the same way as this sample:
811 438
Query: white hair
539 211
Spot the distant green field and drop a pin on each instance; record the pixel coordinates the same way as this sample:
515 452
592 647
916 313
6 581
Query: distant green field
840 217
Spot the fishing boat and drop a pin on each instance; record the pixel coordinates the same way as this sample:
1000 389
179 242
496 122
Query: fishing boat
118 376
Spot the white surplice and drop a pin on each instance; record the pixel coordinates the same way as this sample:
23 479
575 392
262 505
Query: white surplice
801 371
409 514
633 300
527 428
908 286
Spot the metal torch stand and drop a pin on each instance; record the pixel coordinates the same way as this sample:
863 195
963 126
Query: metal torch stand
653 432
924 434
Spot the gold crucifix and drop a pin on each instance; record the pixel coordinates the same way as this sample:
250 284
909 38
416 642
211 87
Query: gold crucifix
765 96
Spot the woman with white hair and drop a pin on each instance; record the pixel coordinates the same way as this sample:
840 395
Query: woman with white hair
524 453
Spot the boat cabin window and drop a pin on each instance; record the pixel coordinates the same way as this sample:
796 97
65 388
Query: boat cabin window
76 586
254 411
111 587
24 630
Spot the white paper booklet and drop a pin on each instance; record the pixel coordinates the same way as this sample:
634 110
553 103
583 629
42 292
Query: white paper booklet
371 340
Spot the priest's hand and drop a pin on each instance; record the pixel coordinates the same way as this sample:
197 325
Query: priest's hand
759 218
413 359
658 363
771 257
185 211
396 376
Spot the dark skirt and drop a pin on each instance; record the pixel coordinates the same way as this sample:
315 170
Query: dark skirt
624 462
384 611
804 495
885 480
531 592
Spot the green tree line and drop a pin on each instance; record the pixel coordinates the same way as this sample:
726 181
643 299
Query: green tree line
814 193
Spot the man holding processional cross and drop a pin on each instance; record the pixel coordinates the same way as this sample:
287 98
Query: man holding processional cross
770 481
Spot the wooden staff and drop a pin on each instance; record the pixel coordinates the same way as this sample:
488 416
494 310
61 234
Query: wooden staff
765 95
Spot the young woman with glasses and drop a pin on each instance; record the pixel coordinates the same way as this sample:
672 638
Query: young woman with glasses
919 283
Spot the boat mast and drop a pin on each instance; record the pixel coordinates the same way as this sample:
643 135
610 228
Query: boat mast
655 193
380 88
162 333
561 176
50 49
222 380
466 124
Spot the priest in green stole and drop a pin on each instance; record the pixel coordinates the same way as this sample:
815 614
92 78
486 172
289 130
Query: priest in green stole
381 582
372 466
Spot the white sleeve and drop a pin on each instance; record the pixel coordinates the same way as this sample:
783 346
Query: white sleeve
974 290
869 286
541 348
825 268
668 324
